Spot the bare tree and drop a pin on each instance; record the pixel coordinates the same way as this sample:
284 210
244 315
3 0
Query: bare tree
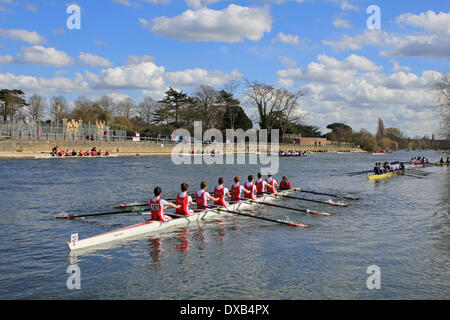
264 97
442 86
205 98
126 108
58 108
229 103
107 105
36 107
146 108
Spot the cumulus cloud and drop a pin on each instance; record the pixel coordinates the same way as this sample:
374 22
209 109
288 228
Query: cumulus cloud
396 67
353 90
232 24
6 59
194 77
93 60
286 38
288 62
433 43
44 56
31 37
341 23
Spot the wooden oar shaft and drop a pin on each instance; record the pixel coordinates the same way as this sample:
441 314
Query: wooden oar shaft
285 207
326 194
293 224
312 200
92 214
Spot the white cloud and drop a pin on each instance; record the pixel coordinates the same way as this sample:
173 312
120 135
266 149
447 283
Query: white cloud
132 59
429 21
341 23
286 38
6 59
232 24
94 61
354 91
199 3
44 56
198 76
288 62
31 37
396 67
433 43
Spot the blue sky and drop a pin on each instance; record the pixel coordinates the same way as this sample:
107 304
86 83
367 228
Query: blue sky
323 48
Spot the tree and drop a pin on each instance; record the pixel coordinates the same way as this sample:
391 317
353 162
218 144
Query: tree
36 107
234 116
206 107
340 132
107 106
58 108
10 102
146 108
381 130
175 106
227 100
442 88
126 107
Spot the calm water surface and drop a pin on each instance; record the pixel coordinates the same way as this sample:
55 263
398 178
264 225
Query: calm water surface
400 224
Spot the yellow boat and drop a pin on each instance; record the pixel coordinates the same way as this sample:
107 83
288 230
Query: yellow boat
440 164
385 175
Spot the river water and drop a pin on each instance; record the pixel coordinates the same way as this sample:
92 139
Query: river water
401 225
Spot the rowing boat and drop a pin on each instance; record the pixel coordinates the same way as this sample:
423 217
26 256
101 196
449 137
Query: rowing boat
49 156
157 226
385 175
440 164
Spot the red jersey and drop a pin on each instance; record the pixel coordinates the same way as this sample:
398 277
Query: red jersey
235 192
259 187
200 200
220 193
284 185
271 186
157 210
249 188
184 203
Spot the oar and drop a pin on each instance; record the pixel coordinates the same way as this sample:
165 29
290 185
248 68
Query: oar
146 204
293 224
310 200
410 175
359 172
326 194
288 208
91 214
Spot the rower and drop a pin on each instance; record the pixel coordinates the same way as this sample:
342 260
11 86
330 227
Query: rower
260 185
442 160
250 186
236 190
220 191
202 196
184 200
158 205
377 168
285 184
271 184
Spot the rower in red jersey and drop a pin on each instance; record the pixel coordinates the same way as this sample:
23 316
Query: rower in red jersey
237 189
250 186
271 183
158 205
202 196
220 192
260 184
285 184
184 200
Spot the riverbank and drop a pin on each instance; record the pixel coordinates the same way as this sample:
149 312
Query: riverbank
20 149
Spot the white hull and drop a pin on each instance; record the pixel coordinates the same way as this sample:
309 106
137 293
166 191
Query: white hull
49 156
157 226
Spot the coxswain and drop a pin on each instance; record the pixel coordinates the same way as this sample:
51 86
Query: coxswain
158 205
202 196
285 184
250 186
184 200
260 185
237 189
220 192
271 183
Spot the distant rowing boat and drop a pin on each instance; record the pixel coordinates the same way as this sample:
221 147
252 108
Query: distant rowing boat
158 226
49 156
385 175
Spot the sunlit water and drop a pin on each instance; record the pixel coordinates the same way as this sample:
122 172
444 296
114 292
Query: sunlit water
401 224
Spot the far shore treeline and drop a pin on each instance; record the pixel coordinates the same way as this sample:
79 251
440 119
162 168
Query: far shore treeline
215 108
